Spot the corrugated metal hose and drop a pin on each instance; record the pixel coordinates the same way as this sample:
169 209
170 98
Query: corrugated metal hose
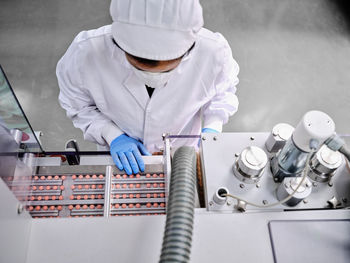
177 238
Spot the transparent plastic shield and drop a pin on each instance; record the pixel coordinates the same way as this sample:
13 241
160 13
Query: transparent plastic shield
13 118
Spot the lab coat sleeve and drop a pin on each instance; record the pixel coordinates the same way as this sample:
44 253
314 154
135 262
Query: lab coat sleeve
224 102
78 103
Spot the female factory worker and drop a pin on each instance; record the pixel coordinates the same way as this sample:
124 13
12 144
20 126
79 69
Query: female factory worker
154 70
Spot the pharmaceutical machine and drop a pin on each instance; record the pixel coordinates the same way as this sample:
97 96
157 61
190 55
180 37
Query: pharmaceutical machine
280 196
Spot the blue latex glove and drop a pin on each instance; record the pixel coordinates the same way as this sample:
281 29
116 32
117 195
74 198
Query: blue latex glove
209 130
126 153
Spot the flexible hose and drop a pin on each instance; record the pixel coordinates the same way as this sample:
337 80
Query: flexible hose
177 238
344 150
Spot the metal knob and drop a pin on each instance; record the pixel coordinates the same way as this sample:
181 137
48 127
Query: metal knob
289 185
324 164
277 139
250 164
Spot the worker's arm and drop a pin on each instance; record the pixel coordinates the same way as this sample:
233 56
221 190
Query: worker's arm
77 102
224 102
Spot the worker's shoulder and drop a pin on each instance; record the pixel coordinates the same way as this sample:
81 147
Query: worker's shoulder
211 40
85 38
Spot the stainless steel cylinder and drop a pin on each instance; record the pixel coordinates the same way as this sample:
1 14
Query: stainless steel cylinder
324 164
288 186
277 139
250 165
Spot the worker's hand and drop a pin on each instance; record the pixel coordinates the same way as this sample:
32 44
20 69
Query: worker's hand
209 130
126 153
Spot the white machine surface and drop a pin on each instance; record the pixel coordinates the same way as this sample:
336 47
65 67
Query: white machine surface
277 197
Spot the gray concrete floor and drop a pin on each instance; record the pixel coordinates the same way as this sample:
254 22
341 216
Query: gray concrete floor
294 56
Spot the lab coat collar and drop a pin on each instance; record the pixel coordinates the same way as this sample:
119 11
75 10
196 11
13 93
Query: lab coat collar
137 89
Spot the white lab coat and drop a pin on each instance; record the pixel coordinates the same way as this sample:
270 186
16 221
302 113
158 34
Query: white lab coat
104 98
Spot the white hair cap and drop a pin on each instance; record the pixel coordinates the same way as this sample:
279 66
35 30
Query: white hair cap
156 29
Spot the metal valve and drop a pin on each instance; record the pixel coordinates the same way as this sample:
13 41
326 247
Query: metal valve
324 164
250 165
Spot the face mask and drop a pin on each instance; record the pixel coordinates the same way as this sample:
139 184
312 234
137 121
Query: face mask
153 79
